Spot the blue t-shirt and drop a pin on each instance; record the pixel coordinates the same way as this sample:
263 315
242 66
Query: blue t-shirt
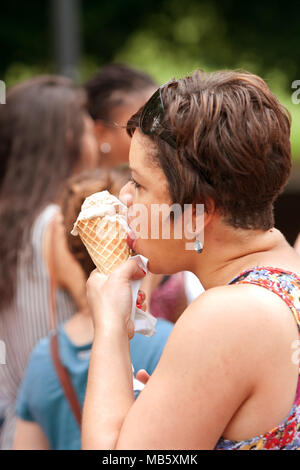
41 398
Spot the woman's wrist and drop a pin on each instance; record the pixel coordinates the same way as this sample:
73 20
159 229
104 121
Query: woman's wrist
110 324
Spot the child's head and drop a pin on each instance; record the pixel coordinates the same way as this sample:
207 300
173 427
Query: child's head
75 191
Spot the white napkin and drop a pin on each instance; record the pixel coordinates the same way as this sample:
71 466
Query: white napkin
144 322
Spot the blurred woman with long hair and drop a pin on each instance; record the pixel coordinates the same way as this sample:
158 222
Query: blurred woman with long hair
46 135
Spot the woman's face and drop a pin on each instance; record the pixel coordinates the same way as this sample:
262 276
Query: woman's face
118 138
147 191
115 150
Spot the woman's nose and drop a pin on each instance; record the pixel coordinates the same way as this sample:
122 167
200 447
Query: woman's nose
125 195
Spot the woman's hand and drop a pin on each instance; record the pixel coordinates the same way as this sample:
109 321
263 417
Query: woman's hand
110 299
143 376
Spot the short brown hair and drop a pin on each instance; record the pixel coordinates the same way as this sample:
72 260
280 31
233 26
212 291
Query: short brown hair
76 189
233 145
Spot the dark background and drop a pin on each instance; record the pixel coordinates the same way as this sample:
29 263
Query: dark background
265 32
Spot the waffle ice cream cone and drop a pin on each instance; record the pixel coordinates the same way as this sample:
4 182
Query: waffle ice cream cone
103 229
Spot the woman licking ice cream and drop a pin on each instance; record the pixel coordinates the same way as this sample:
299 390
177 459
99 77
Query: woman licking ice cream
226 378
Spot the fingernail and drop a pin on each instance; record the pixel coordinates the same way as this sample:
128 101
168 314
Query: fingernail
141 295
138 304
141 268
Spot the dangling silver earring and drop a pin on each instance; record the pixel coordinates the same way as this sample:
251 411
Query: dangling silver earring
198 245
105 147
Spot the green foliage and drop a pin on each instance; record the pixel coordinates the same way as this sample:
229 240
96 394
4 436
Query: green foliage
295 134
17 72
183 48
166 38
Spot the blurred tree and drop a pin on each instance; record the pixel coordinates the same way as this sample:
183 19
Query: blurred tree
266 31
106 24
24 34
262 36
164 37
218 33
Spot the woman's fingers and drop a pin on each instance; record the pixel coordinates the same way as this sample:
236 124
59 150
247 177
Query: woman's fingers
128 270
97 278
141 296
142 307
131 270
143 376
140 301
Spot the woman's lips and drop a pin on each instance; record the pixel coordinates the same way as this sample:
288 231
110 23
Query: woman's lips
131 240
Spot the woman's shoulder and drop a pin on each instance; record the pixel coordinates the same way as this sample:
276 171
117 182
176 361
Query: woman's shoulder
232 333
39 374
241 303
242 315
40 369
40 358
42 221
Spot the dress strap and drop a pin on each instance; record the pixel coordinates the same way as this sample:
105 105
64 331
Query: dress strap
285 284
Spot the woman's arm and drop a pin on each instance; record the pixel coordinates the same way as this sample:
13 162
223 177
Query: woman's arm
29 436
198 385
68 272
110 380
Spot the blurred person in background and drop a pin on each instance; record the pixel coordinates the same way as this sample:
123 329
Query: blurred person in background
45 420
114 94
46 134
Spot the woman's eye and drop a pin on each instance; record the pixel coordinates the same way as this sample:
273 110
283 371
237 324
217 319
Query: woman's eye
137 185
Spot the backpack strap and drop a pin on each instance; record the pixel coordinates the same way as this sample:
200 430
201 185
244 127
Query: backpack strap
65 381
61 371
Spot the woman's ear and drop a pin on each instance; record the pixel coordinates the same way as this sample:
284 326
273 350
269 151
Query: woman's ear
194 220
196 217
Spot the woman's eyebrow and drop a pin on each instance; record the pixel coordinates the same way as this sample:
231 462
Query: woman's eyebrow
133 169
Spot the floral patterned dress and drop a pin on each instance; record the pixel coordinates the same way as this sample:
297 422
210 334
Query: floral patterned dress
285 436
